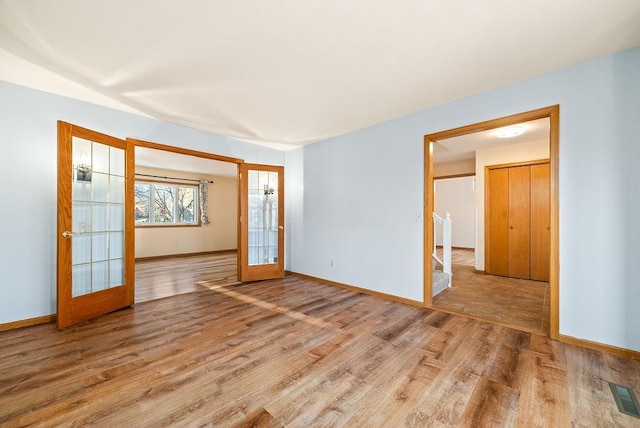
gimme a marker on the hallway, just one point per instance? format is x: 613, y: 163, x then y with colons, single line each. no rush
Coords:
x: 518, y: 303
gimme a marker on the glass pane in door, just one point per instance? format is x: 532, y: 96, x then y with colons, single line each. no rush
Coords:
x: 97, y: 215
x: 263, y: 218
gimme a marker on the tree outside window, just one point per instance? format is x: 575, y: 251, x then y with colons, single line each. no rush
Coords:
x: 186, y: 204
x: 141, y: 203
x: 165, y: 204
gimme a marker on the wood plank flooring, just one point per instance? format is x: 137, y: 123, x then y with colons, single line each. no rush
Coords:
x: 520, y: 303
x: 164, y: 277
x: 294, y: 352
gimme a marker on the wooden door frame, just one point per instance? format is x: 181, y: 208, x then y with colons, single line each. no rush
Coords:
x: 204, y: 155
x: 487, y: 224
x: 553, y: 113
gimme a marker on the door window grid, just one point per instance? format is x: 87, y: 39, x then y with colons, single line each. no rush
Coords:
x: 97, y: 217
x: 263, y: 217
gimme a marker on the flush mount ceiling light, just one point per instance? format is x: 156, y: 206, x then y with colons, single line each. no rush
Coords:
x: 510, y: 131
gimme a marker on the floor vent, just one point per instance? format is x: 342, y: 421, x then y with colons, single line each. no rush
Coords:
x: 626, y: 400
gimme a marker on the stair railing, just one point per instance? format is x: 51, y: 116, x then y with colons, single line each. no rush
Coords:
x: 445, y: 223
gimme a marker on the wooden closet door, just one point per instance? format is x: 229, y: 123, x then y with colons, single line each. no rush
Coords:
x: 520, y: 222
x: 497, y: 262
x: 540, y: 221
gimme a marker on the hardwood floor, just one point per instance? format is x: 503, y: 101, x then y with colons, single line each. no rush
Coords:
x: 164, y: 277
x: 519, y: 303
x: 295, y: 352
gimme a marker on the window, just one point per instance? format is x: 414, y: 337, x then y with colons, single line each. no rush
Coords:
x: 165, y: 204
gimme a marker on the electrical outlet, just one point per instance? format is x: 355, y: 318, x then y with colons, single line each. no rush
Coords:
x: 332, y: 263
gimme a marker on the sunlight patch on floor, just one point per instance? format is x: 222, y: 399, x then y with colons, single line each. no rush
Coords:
x: 272, y: 307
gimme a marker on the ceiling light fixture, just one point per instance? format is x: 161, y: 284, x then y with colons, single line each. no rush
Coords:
x: 510, y: 131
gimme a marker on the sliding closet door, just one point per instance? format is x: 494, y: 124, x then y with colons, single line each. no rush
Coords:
x: 517, y: 218
x: 519, y: 222
x: 497, y: 218
x: 540, y: 221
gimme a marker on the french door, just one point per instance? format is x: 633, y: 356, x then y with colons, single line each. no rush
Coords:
x: 261, y: 222
x: 95, y: 229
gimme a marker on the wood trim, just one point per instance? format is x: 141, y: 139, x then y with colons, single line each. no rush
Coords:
x: 243, y: 234
x: 242, y: 254
x: 45, y: 319
x: 175, y: 183
x: 481, y: 272
x: 358, y: 289
x: 444, y: 177
x: 281, y: 209
x: 180, y: 150
x: 129, y: 226
x: 175, y: 256
x: 453, y: 247
x: 515, y: 164
x: 554, y: 223
x: 64, y: 189
x: 428, y: 222
x: 88, y: 134
x: 597, y: 346
x: 168, y: 226
x: 514, y: 119
x: 553, y: 113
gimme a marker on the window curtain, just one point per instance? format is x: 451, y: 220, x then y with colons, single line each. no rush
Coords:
x: 204, y: 189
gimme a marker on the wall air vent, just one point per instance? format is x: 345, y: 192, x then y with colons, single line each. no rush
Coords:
x: 626, y: 400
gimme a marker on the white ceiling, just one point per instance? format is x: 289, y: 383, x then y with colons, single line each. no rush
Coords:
x: 464, y: 147
x: 161, y: 159
x: 293, y: 72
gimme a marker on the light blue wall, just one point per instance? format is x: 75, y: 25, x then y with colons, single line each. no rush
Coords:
x: 353, y: 198
x: 357, y: 195
x: 28, y: 176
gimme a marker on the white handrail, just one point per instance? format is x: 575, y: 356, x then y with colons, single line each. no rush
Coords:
x: 437, y: 220
x: 446, y: 245
x: 446, y: 242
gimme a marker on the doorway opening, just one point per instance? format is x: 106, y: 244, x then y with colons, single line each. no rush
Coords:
x: 186, y: 221
x: 447, y: 143
x: 99, y: 201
